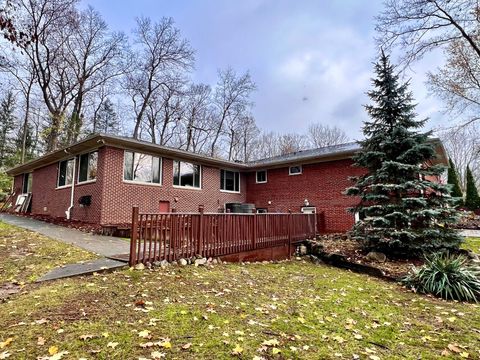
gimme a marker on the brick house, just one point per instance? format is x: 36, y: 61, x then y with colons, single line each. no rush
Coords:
x: 99, y: 179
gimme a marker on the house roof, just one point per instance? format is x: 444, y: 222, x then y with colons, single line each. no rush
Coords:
x: 328, y: 153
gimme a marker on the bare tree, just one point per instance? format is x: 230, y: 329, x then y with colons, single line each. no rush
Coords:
x: 292, y: 142
x: 320, y: 135
x: 231, y: 101
x: 161, y: 53
x: 94, y: 54
x: 420, y: 26
x: 197, y: 117
x: 463, y: 147
x: 49, y: 22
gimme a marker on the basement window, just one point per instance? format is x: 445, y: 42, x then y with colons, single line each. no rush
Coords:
x: 65, y: 172
x: 27, y: 183
x: 88, y: 167
x: 186, y: 174
x: 261, y: 177
x: 295, y: 170
x: 142, y: 168
x: 230, y: 180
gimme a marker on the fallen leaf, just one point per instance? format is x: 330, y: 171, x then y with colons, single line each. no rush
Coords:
x: 40, y: 341
x: 5, y: 343
x: 276, y: 351
x: 112, y: 345
x: 187, y: 346
x: 144, y: 334
x: 5, y: 355
x: 237, y: 350
x: 86, y: 337
x: 52, y: 350
x: 454, y: 348
x: 271, y: 342
x: 157, y: 355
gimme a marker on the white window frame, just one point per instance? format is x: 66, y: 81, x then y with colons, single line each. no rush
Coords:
x: 88, y: 169
x: 295, y: 166
x: 160, y: 165
x: 256, y: 177
x: 200, y: 182
x: 58, y: 174
x: 239, y: 182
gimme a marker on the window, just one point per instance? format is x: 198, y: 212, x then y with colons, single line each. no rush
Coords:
x: 295, y: 170
x: 261, y: 176
x: 143, y: 168
x: 27, y: 183
x: 186, y: 174
x: 65, y: 172
x: 88, y: 167
x: 229, y: 180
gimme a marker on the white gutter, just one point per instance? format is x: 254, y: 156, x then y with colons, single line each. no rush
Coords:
x: 72, y: 191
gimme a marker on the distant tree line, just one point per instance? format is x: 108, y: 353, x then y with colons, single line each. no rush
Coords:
x: 64, y: 75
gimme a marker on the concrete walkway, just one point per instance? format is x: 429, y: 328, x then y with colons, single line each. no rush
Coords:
x: 107, y: 246
x: 470, y: 233
x: 84, y: 268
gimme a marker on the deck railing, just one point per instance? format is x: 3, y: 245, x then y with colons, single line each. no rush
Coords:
x: 172, y: 236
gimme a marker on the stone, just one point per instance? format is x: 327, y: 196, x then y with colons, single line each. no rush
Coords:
x: 139, y: 266
x: 164, y: 264
x: 215, y: 261
x: 183, y: 262
x: 200, y: 262
x: 302, y: 250
x: 298, y: 258
x: 376, y: 256
x: 157, y: 264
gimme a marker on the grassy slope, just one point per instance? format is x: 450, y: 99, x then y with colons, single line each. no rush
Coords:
x: 473, y: 244
x: 311, y: 311
x: 26, y: 255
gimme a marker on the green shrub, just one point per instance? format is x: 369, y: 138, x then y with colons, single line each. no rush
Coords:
x: 450, y: 277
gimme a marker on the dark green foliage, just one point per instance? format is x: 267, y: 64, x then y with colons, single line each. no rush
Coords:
x: 402, y: 211
x: 106, y: 120
x: 472, y: 199
x: 7, y: 126
x: 450, y: 277
x: 456, y: 190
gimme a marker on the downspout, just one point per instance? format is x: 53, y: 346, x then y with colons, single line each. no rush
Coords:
x: 72, y: 191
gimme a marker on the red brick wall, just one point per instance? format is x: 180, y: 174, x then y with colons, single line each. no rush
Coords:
x: 48, y: 200
x: 322, y: 184
x: 119, y: 197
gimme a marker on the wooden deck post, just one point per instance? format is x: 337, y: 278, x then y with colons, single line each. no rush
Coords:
x: 201, y: 210
x: 254, y: 238
x: 289, y: 233
x: 133, y: 237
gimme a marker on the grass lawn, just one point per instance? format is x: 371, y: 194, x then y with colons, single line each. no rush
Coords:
x: 26, y: 255
x: 473, y: 244
x: 289, y: 310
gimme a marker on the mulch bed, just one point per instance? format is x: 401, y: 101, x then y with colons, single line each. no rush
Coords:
x: 351, y: 251
x: 469, y: 221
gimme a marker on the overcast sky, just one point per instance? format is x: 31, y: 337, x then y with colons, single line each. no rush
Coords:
x: 311, y: 59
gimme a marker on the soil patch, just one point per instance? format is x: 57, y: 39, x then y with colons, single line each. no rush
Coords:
x: 8, y: 289
x: 350, y: 251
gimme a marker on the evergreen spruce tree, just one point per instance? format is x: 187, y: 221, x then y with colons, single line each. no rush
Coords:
x: 106, y: 120
x: 402, y: 212
x: 7, y: 125
x: 472, y: 199
x: 455, y: 190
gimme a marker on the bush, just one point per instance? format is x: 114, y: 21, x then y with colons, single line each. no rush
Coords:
x: 450, y: 277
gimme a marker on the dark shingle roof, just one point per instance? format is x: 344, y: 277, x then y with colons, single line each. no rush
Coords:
x: 347, y: 148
